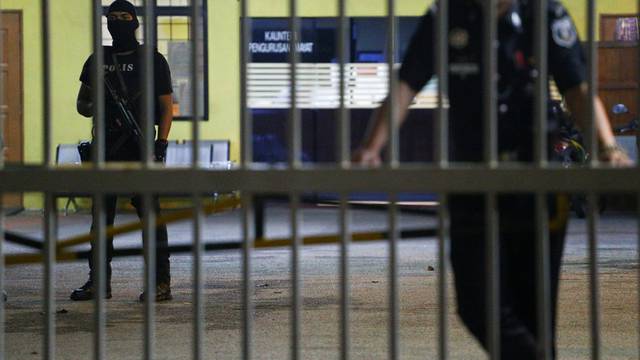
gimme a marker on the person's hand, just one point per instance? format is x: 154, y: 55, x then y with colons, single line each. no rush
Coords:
x: 367, y: 157
x: 615, y: 156
x: 160, y: 150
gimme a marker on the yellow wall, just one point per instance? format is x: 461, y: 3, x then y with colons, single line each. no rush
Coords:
x: 578, y: 10
x: 70, y: 46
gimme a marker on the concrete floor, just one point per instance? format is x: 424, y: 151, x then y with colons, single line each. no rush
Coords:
x: 320, y: 277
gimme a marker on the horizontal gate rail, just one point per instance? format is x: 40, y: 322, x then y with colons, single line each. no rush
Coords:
x: 405, y: 179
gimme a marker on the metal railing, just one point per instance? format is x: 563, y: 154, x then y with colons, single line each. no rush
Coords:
x: 441, y: 177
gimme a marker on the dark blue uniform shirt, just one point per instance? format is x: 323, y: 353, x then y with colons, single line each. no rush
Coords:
x: 516, y: 78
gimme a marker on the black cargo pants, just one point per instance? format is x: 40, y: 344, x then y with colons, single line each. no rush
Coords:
x: 130, y: 151
x: 518, y: 301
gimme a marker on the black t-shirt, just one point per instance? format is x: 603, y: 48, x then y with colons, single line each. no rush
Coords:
x: 515, y: 72
x: 129, y: 65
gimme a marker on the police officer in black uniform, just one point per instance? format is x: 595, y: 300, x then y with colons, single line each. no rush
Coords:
x: 515, y: 142
x: 123, y: 71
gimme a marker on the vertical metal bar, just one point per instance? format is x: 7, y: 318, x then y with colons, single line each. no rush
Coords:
x: 394, y: 301
x: 443, y: 256
x: 196, y: 6
x: 490, y: 68
x: 543, y: 288
x: 246, y: 153
x: 592, y: 78
x: 46, y: 82
x: 198, y: 301
x: 98, y: 161
x: 97, y: 80
x: 490, y: 71
x: 295, y: 145
x: 198, y: 250
x: 248, y: 241
x: 542, y: 85
x: 540, y: 156
x: 592, y: 147
x: 246, y: 124
x: 594, y: 289
x: 149, y: 233
x: 294, y: 203
x: 99, y: 260
x: 344, y: 126
x: 441, y: 141
x: 48, y: 349
x: 149, y: 240
x: 295, y: 132
x: 148, y: 120
x: 50, y: 230
x: 441, y: 138
x: 345, y: 241
x: 492, y: 257
x: 393, y: 145
x: 343, y: 156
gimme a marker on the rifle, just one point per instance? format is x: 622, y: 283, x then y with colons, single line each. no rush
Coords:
x: 128, y: 120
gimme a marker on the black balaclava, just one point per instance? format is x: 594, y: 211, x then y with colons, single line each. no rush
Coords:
x: 123, y: 32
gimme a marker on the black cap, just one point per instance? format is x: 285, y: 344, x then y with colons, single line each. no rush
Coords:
x: 123, y: 5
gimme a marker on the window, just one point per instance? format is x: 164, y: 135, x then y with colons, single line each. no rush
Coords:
x: 173, y: 18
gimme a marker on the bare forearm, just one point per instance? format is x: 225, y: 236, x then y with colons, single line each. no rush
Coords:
x: 166, y: 116
x: 377, y: 133
x: 165, y: 125
x: 577, y: 99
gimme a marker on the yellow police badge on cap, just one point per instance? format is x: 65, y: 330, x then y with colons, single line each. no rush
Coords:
x: 563, y: 32
x: 459, y: 38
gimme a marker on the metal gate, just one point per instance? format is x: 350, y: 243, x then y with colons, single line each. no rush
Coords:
x: 442, y: 177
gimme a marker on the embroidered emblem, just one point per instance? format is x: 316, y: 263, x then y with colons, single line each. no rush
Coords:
x: 459, y: 38
x: 563, y: 32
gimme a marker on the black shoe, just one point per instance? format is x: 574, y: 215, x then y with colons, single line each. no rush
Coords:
x: 163, y: 293
x: 86, y: 292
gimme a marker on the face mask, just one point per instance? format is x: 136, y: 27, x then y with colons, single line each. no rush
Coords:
x: 123, y: 34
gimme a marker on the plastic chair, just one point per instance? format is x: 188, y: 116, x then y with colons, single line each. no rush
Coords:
x: 68, y: 155
x: 179, y: 155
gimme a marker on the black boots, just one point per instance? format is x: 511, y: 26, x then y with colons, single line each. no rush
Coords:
x: 163, y: 293
x: 87, y: 292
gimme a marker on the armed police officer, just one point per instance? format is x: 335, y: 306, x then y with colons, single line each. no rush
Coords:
x: 516, y: 79
x: 123, y: 109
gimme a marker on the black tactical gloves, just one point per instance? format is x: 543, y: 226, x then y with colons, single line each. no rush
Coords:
x: 160, y: 150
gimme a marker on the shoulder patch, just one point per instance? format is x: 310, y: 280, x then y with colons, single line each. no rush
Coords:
x: 563, y: 32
